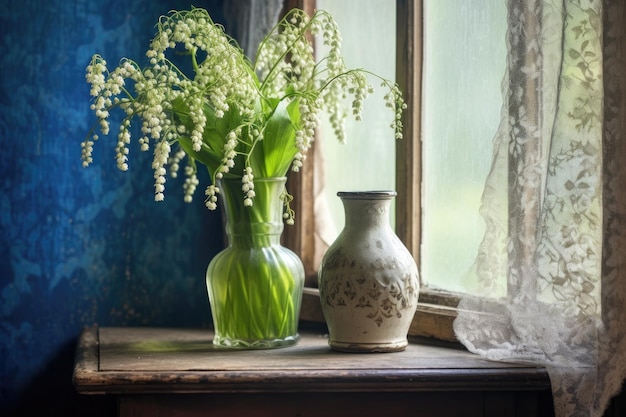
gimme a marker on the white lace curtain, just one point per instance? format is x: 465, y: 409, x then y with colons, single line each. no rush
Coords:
x: 555, y: 199
x: 555, y: 204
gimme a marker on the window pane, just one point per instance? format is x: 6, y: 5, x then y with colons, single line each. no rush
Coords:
x: 366, y: 160
x: 464, y: 63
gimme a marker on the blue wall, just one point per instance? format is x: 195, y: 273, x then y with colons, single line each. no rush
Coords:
x: 80, y: 247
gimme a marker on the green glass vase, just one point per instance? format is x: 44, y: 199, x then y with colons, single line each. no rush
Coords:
x: 255, y: 284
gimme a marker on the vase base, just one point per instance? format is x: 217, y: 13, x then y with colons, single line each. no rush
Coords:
x: 354, y: 347
x: 246, y: 344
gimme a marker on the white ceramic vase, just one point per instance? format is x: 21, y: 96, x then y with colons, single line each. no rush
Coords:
x: 368, y: 280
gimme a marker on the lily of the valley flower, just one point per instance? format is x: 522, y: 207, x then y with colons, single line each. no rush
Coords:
x: 239, y: 119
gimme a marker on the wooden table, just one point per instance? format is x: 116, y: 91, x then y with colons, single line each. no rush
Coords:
x: 176, y: 372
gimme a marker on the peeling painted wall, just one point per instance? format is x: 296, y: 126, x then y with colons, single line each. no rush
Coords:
x: 83, y: 246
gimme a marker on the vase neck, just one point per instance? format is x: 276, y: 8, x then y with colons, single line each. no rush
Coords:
x: 366, y: 208
x: 252, y: 237
x: 260, y: 224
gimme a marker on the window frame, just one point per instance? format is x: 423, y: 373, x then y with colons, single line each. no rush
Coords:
x: 300, y: 236
x: 436, y: 309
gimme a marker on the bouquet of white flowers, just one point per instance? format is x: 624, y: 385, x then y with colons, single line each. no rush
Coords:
x: 238, y: 118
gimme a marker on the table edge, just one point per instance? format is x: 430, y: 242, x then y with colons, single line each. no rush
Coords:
x: 88, y: 379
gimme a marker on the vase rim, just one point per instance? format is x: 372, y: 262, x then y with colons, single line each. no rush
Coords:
x: 375, y: 194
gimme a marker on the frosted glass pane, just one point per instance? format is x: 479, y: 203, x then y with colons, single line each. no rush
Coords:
x: 464, y: 63
x: 367, y: 160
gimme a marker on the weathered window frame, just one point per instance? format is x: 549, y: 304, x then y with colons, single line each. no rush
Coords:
x: 436, y: 310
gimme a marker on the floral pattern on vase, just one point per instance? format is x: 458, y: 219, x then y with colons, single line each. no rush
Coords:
x: 382, y: 296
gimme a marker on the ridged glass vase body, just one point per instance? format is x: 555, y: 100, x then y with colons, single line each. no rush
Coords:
x: 255, y: 284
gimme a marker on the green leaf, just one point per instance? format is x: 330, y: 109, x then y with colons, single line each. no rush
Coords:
x: 205, y: 156
x: 279, y: 137
x: 214, y: 134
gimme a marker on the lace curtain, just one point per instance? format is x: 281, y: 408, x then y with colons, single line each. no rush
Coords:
x: 555, y: 204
